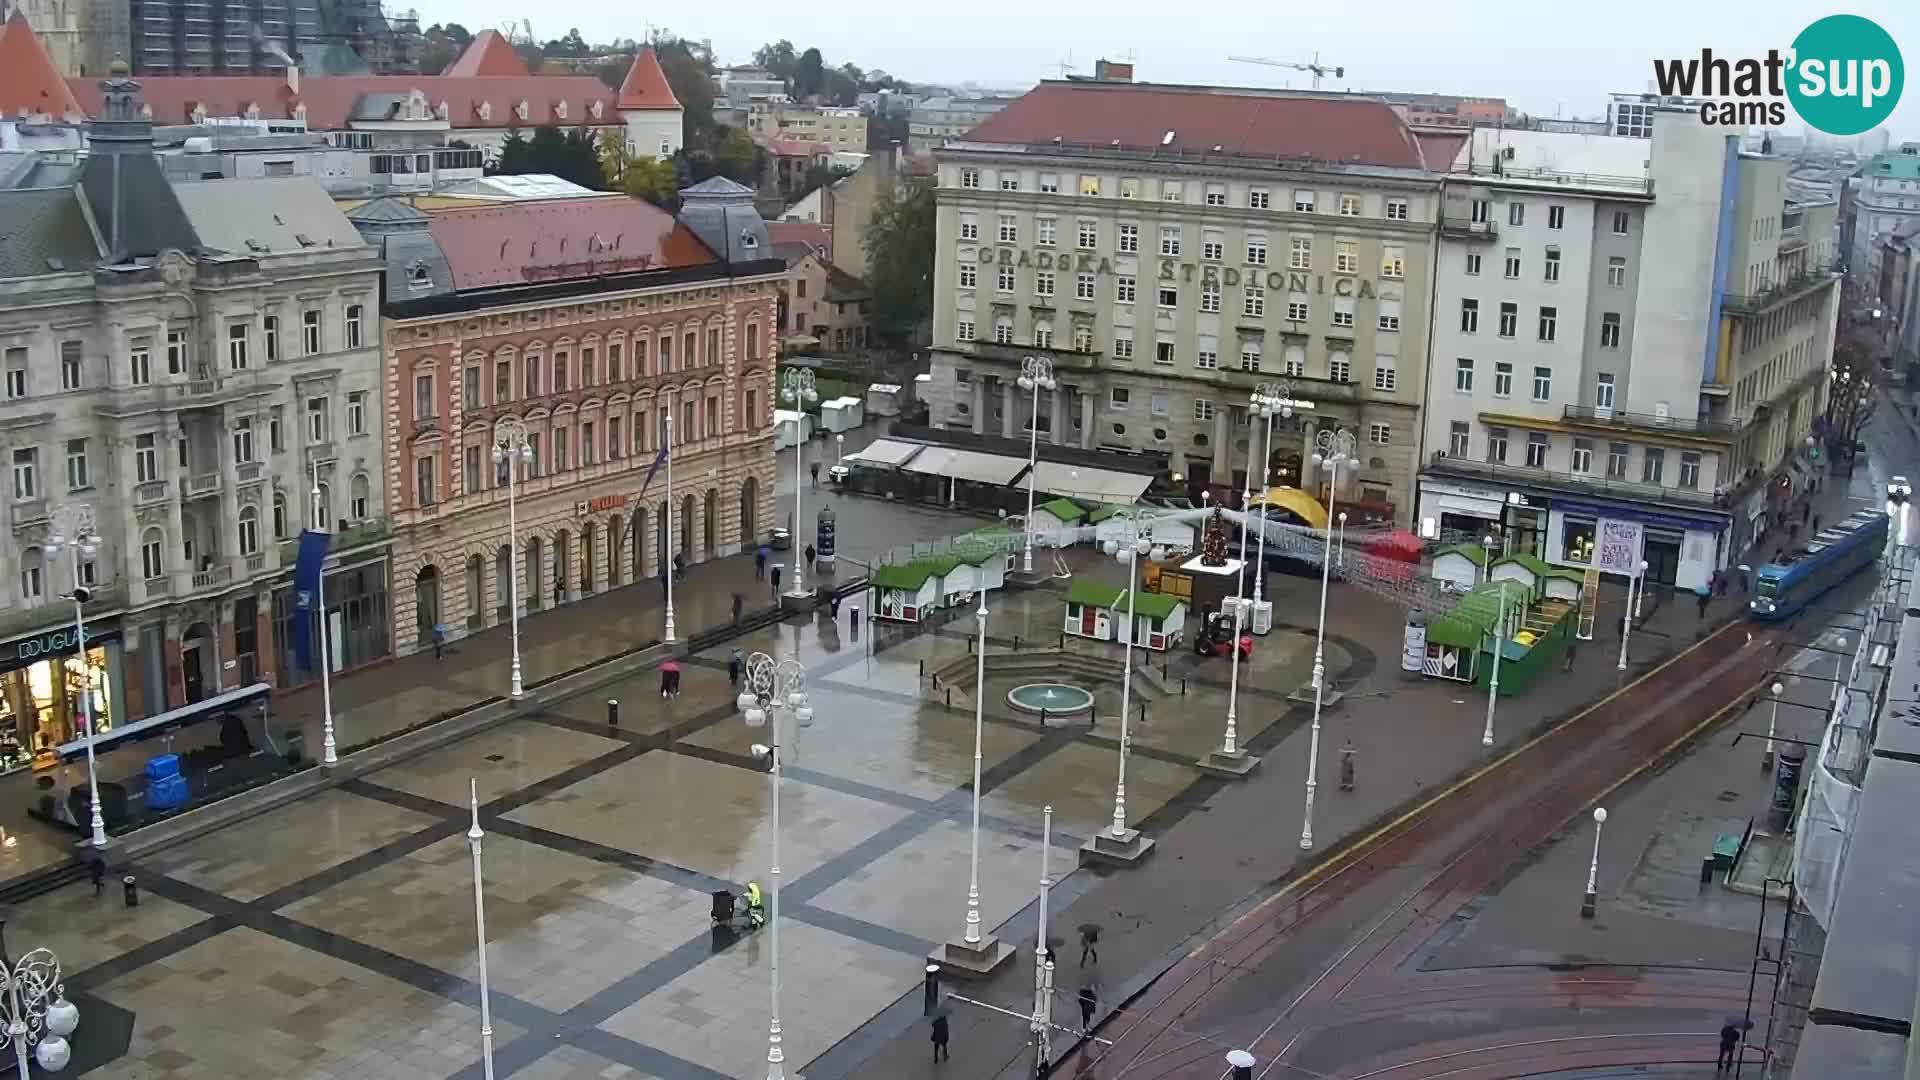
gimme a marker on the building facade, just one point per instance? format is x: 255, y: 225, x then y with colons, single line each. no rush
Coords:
x: 167, y: 370
x: 935, y: 120
x: 1884, y: 199
x: 1149, y: 242
x: 833, y: 129
x: 1630, y: 344
x: 590, y: 323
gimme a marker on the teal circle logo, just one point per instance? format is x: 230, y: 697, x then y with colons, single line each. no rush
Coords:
x: 1846, y: 75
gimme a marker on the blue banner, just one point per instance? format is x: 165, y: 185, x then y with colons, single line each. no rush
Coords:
x: 658, y: 459
x: 306, y: 593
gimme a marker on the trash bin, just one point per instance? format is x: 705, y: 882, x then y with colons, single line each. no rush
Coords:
x: 1706, y: 870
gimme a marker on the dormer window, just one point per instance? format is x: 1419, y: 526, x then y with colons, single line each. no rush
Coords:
x: 748, y: 241
x: 441, y: 110
x: 300, y: 113
x: 598, y: 109
x: 418, y: 276
x: 521, y: 109
x: 146, y: 112
x: 199, y: 114
x: 417, y: 106
x: 560, y: 110
x: 486, y: 110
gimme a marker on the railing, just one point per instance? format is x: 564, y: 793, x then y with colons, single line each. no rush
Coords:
x: 256, y: 563
x: 220, y: 574
x: 29, y: 512
x: 1063, y: 359
x: 1792, y: 237
x: 370, y: 531
x: 1459, y: 228
x: 1589, y: 483
x: 1499, y: 169
x: 580, y: 395
x: 249, y: 472
x: 159, y: 587
x: 1634, y: 421
x: 1779, y: 293
x: 203, y: 484
x: 321, y: 452
x: 149, y: 493
x: 30, y: 620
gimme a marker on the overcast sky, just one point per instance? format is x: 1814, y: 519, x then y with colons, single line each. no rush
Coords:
x: 1539, y: 55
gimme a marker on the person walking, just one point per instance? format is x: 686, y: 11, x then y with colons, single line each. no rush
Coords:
x: 1573, y: 643
x: 776, y: 580
x: 1089, y: 943
x: 814, y: 468
x: 670, y: 678
x: 760, y: 563
x: 940, y: 1035
x: 1089, y: 1001
x: 1729, y: 1046
x: 739, y: 602
x: 1816, y: 524
x: 736, y: 667
x: 1705, y: 594
x: 810, y: 553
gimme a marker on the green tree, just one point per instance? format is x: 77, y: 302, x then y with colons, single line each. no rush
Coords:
x: 642, y: 177
x: 570, y: 155
x: 809, y: 75
x: 689, y: 70
x: 441, y: 45
x: 737, y: 157
x: 571, y: 45
x: 777, y: 57
x: 900, y: 244
x: 515, y: 155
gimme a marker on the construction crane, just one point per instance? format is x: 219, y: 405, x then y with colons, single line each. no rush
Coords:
x: 1318, y: 69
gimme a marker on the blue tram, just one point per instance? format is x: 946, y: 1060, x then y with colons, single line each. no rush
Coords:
x: 1782, y: 590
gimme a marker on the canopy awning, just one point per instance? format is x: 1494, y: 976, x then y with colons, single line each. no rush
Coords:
x: 1101, y: 485
x: 966, y: 465
x: 887, y: 453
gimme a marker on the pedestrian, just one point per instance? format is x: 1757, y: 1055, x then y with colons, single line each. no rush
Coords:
x: 814, y: 468
x: 1705, y: 595
x: 679, y: 566
x: 760, y: 563
x: 738, y: 603
x: 1729, y: 1046
x: 439, y: 641
x: 1089, y: 1001
x: 666, y: 681
x: 1089, y: 943
x: 97, y: 870
x: 776, y: 579
x: 1346, y: 765
x: 1806, y: 511
x: 810, y: 553
x: 833, y: 607
x: 736, y: 667
x: 1816, y: 524
x: 940, y: 1039
x: 1572, y: 644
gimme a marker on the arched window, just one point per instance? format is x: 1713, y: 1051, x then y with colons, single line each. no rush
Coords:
x: 33, y: 576
x: 279, y: 516
x: 249, y: 531
x: 360, y: 500
x: 753, y: 341
x: 153, y: 554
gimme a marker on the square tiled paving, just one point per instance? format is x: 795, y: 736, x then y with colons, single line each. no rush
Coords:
x: 573, y: 1063
x: 921, y: 888
x: 503, y: 760
x: 83, y: 931
x: 1078, y: 779
x: 560, y: 927
x: 642, y: 710
x: 243, y: 1005
x: 248, y: 860
x: 707, y: 817
x: 716, y: 1013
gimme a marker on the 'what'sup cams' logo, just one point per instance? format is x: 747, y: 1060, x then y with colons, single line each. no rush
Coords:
x: 1843, y: 76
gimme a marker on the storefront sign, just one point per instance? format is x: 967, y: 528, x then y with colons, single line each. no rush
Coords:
x: 1619, y: 546
x: 1167, y: 270
x: 605, y: 502
x: 52, y: 643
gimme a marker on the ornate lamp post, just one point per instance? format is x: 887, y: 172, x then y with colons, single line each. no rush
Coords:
x: 1036, y: 374
x: 329, y: 748
x: 1269, y: 399
x: 1590, y: 901
x: 1042, y: 1023
x: 771, y: 688
x: 1118, y: 843
x: 1773, y: 720
x: 1499, y: 646
x: 512, y: 449
x: 474, y: 837
x: 72, y: 529
x: 1334, y: 449
x: 798, y: 390
x: 39, y: 1016
x: 1230, y: 760
x: 975, y: 953
x: 1632, y: 610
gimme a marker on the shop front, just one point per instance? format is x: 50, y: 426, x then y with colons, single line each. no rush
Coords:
x: 1460, y: 514
x: 44, y: 688
x: 357, y: 624
x: 1681, y: 551
x: 1524, y: 523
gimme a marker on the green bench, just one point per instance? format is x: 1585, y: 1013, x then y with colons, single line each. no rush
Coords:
x: 1726, y: 848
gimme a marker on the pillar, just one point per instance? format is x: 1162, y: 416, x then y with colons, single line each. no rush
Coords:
x: 229, y: 649
x: 979, y: 405
x: 266, y: 649
x: 1086, y: 421
x: 1058, y: 405
x: 1222, y: 445
x: 1008, y: 425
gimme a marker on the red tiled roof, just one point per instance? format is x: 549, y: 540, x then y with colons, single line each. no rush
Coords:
x: 1440, y: 147
x: 330, y: 100
x: 488, y: 53
x: 29, y: 83
x: 1269, y: 124
x: 518, y: 243
x: 645, y: 86
x: 812, y: 234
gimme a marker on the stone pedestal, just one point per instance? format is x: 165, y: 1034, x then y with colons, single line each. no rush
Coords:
x: 1125, y: 850
x: 1329, y: 698
x: 1587, y: 906
x: 1235, y: 766
x: 977, y: 962
x: 1261, y: 622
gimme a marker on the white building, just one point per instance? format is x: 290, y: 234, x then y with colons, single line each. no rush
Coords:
x: 935, y: 120
x: 1885, y: 198
x: 1626, y: 330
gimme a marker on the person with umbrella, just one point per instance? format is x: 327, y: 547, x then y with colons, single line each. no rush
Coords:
x: 1089, y: 942
x: 939, y: 1036
x: 670, y: 678
x: 1730, y: 1033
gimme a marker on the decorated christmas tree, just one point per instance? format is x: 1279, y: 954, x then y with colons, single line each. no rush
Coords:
x: 1213, y: 542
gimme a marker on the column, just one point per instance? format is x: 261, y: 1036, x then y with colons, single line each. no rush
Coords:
x: 230, y: 502
x: 229, y: 648
x: 979, y: 405
x: 1222, y: 445
x: 1086, y: 421
x: 1009, y: 426
x: 1058, y: 405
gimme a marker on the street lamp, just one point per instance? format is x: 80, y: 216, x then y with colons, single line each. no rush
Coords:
x: 1042, y: 1023
x: 1268, y: 399
x: 72, y: 528
x: 329, y: 748
x: 1839, y: 670
x: 1118, y: 835
x: 1486, y: 543
x: 38, y: 1015
x: 1773, y: 720
x: 1499, y: 646
x: 1230, y: 760
x: 839, y: 447
x: 1632, y: 610
x: 512, y: 449
x: 1336, y: 448
x: 474, y: 836
x: 1588, y: 904
x: 1036, y: 374
x: 798, y: 391
x: 771, y: 688
x: 982, y: 954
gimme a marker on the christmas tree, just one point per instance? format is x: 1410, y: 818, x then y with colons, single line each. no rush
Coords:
x: 1213, y: 542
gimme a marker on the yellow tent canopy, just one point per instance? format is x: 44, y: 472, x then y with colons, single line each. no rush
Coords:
x: 1296, y: 502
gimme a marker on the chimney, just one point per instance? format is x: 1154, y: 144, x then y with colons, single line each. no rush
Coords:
x: 1110, y: 71
x: 293, y: 79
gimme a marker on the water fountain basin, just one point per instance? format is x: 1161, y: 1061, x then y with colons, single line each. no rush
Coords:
x: 1054, y: 700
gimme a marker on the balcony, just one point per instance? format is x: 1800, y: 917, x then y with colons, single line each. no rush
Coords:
x: 371, y: 531
x: 1590, y: 484
x: 200, y: 485
x: 220, y: 573
x: 1790, y: 289
x: 29, y: 512
x: 1616, y: 420
x: 1499, y: 170
x: 150, y: 493
x: 29, y: 620
x: 1063, y: 359
x: 1793, y: 238
x: 1454, y: 227
x: 249, y: 472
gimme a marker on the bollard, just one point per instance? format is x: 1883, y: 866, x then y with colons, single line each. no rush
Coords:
x: 923, y: 669
x: 1063, y: 641
x: 132, y: 890
x: 1241, y: 1063
x: 949, y: 697
x: 1016, y: 643
x: 1043, y: 716
x: 931, y: 1001
x: 613, y: 712
x: 1346, y: 767
x: 1143, y: 712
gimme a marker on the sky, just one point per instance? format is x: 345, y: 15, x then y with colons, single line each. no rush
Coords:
x: 1540, y: 56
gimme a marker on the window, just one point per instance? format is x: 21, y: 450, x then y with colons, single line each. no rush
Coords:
x: 1295, y: 361
x: 1210, y: 295
x: 1469, y: 316
x: 1556, y: 216
x: 1254, y: 304
x: 1043, y: 335
x: 356, y: 414
x: 1509, y: 319
x: 1250, y: 356
x: 354, y: 315
x: 1459, y: 439
x: 969, y: 178
x: 270, y: 336
x: 1621, y: 221
x: 1050, y: 183
x: 1003, y: 331
x: 1004, y: 281
x: 140, y: 364
x: 317, y: 426
x: 1159, y: 403
x: 237, y: 346
x: 1009, y: 181
x: 1389, y: 315
x: 1346, y: 257
x: 249, y: 531
x: 1549, y: 322
x: 1123, y: 289
x: 279, y: 516
x: 1473, y: 262
x: 1169, y: 239
x: 1384, y: 376
x: 1089, y: 185
x: 1652, y: 464
x: 1122, y: 347
x: 146, y: 459
x: 1553, y: 264
x: 1542, y: 383
x: 470, y: 469
x: 963, y: 330
x: 589, y: 374
x: 1380, y: 434
x: 1302, y: 201
x: 423, y: 396
x: 1083, y: 286
x: 1083, y: 338
x: 1536, y: 450
x: 1603, y: 393
x: 1339, y: 368
x: 1496, y: 446
x: 1119, y: 398
x: 243, y: 440
x: 70, y: 373
x: 1207, y: 356
x: 1163, y: 352
x: 1046, y: 230
x: 1089, y: 234
x: 615, y: 448
x: 1298, y: 310
x: 1301, y: 256
x: 1257, y: 250
x: 1259, y: 198
x: 1617, y: 461
x: 79, y: 476
x: 1129, y: 187
x: 590, y: 444
x: 1502, y: 379
x: 1610, y: 330
x: 1481, y: 211
x: 1213, y: 246
x: 1396, y: 209
x: 470, y: 387
x: 153, y: 556
x: 1202, y: 409
x: 423, y: 489
x: 1583, y: 455
x: 969, y: 275
x: 1216, y: 195
x: 1689, y: 469
x: 1617, y: 271
x: 1393, y: 261
x: 26, y: 473
x: 310, y: 332
x: 1349, y: 206
x: 176, y: 352
x: 1513, y: 262
x: 1129, y: 239
x: 616, y: 370
x: 1169, y: 296
x: 1517, y: 213
x: 1042, y: 283
x: 1343, y: 311
x: 358, y: 500
x: 969, y: 230
x: 16, y: 373
x: 1463, y: 375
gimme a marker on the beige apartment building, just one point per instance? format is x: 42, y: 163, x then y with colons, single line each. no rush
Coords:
x: 1168, y: 249
x: 838, y: 130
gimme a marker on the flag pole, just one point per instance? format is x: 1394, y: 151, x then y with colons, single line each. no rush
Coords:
x: 330, y: 754
x: 666, y: 557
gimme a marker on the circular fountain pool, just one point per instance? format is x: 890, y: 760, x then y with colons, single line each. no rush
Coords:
x: 1051, y: 700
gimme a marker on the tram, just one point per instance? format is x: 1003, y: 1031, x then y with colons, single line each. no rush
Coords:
x: 1783, y: 589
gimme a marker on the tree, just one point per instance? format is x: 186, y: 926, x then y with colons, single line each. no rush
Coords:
x: 809, y: 75
x: 515, y: 155
x: 642, y: 177
x: 441, y: 45
x: 737, y: 157
x: 843, y: 85
x: 777, y: 57
x: 571, y: 45
x: 570, y: 155
x: 900, y: 244
x: 613, y: 70
x: 689, y: 70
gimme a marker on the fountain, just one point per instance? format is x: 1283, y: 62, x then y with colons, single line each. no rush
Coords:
x: 1052, y: 700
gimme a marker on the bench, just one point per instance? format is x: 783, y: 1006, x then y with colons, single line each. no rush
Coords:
x: 1726, y: 849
